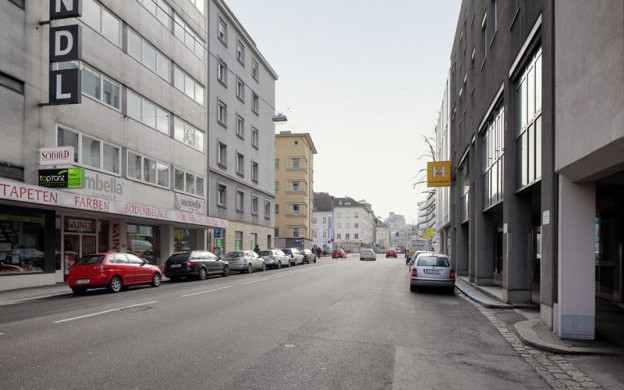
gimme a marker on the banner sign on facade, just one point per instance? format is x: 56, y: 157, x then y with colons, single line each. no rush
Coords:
x: 189, y: 203
x: 61, y: 178
x: 63, y: 155
x: 439, y: 174
x: 63, y: 9
x: 65, y: 43
x: 65, y: 86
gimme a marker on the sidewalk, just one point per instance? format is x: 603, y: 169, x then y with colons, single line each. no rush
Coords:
x: 21, y: 295
x: 533, y: 332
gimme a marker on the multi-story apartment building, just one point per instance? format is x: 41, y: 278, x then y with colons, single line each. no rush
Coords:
x: 426, y: 213
x: 323, y: 221
x: 443, y: 194
x: 382, y: 234
x: 354, y: 224
x: 398, y: 230
x: 139, y: 135
x: 539, y: 195
x: 241, y: 135
x: 294, y: 189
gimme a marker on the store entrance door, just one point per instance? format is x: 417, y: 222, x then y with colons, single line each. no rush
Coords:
x: 75, y: 246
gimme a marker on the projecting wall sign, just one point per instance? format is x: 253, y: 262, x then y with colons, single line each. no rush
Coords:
x: 65, y: 45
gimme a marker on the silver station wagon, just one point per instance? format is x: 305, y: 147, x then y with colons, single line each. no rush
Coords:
x: 432, y: 270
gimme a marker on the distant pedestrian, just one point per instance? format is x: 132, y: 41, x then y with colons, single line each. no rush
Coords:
x: 257, y: 250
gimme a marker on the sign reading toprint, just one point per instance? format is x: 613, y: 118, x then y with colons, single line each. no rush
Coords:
x: 65, y: 45
x: 439, y: 174
x: 63, y: 155
x: 61, y: 178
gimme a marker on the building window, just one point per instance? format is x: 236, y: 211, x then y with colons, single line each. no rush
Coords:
x: 296, y: 209
x: 254, y: 137
x: 200, y: 5
x: 240, y: 52
x: 494, y: 17
x: 465, y: 192
x: 295, y: 186
x: 276, y: 186
x: 222, y: 113
x: 221, y: 195
x: 188, y: 134
x: 492, y: 144
x: 295, y: 232
x: 240, y: 164
x: 339, y: 236
x: 222, y: 72
x: 91, y: 152
x: 147, y: 112
x: 186, y: 34
x: 356, y: 225
x: 238, y: 241
x: 324, y: 233
x: 255, y: 69
x: 146, y: 54
x: 324, y: 220
x: 254, y: 171
x: 276, y: 163
x: 240, y: 90
x: 295, y: 163
x: 254, y: 205
x: 11, y: 83
x: 255, y: 103
x: 240, y: 201
x: 267, y: 209
x: 240, y: 126
x: 147, y: 170
x: 356, y: 236
x: 189, y: 183
x: 347, y: 236
x: 160, y: 10
x: 187, y: 85
x: 102, y: 21
x: 222, y: 31
x: 276, y: 209
x: 96, y: 85
x: 222, y: 154
x: 528, y: 122
x: 484, y: 37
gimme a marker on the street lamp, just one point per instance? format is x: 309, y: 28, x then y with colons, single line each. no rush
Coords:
x: 279, y: 117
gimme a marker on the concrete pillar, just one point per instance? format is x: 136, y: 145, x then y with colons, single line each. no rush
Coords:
x: 516, y: 257
x: 166, y: 242
x: 483, y: 232
x: 575, y: 312
x: 472, y: 253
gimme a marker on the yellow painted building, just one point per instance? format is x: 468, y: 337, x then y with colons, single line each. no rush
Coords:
x: 294, y: 189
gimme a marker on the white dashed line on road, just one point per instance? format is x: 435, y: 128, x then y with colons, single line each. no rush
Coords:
x: 205, y: 291
x: 257, y: 280
x: 103, y: 312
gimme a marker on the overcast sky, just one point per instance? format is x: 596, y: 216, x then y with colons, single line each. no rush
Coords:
x: 365, y: 78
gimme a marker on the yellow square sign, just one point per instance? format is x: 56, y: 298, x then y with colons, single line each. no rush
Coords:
x: 439, y: 174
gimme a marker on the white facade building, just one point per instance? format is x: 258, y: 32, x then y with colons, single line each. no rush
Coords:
x: 354, y: 224
x: 442, y: 194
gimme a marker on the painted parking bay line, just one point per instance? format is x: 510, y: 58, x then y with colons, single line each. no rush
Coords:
x: 103, y: 312
x: 205, y: 291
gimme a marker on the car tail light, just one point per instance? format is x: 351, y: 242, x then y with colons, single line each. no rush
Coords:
x: 452, y: 274
x: 414, y: 272
x: 189, y: 264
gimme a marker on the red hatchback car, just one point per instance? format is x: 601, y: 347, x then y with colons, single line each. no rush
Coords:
x: 112, y: 270
x: 391, y: 253
x: 339, y: 254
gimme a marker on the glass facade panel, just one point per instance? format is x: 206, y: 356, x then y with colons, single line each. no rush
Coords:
x: 111, y: 158
x: 133, y: 105
x: 162, y: 120
x: 68, y: 138
x: 149, y: 170
x: 91, y: 152
x: 163, y: 174
x: 179, y: 180
x: 21, y: 242
x: 134, y: 166
x: 91, y: 83
x: 149, y: 56
x: 111, y: 27
x: 135, y: 48
x: 149, y: 113
x: 112, y: 93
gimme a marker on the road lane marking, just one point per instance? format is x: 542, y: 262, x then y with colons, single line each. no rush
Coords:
x: 205, y: 291
x: 103, y: 312
x: 257, y: 280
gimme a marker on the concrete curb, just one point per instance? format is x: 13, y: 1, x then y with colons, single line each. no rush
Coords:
x: 526, y: 332
x: 490, y: 304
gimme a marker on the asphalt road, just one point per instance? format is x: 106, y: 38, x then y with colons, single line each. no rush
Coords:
x: 337, y: 324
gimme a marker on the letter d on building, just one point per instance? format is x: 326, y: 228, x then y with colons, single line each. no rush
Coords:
x: 65, y: 43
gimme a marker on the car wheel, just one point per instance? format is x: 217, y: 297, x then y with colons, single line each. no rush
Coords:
x: 78, y: 290
x: 413, y: 288
x: 202, y: 274
x: 264, y: 267
x: 249, y: 268
x: 115, y: 284
x: 226, y: 271
x: 451, y: 290
x: 279, y: 265
x: 174, y: 279
x: 156, y: 279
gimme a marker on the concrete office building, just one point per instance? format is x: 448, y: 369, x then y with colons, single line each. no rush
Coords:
x: 139, y: 134
x: 354, y: 224
x: 323, y: 221
x: 538, y: 170
x: 294, y: 189
x: 382, y: 234
x: 443, y: 194
x: 241, y: 137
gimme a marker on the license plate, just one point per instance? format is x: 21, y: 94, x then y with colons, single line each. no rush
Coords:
x: 176, y: 265
x: 433, y: 271
x: 83, y: 281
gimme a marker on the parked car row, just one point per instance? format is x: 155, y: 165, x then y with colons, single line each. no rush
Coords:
x: 117, y: 271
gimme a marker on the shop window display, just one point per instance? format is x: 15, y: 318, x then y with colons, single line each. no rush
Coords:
x: 21, y: 243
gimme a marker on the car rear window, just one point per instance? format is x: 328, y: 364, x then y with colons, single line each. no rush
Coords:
x: 178, y: 258
x: 430, y: 261
x: 287, y: 251
x: 232, y: 255
x: 93, y: 259
x: 266, y: 253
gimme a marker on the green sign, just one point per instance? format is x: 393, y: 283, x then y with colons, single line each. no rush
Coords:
x: 62, y: 178
x: 219, y: 243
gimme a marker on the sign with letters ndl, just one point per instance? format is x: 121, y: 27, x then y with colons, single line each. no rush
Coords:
x: 63, y: 155
x: 65, y: 45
